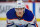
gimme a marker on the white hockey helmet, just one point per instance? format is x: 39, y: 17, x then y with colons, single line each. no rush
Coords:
x: 20, y: 4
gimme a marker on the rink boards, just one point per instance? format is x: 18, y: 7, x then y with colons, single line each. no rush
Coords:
x: 38, y: 20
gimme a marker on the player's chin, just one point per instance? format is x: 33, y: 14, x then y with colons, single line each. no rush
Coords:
x: 19, y: 15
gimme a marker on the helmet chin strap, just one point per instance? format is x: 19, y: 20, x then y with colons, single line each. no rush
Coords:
x: 24, y: 11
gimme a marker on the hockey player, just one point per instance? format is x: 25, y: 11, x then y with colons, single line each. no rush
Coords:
x: 20, y: 17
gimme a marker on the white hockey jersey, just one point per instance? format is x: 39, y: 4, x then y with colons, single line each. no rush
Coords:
x: 27, y: 20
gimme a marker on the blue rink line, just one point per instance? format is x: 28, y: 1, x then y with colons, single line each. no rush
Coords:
x: 34, y: 8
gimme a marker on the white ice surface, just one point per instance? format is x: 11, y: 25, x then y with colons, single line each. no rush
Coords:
x: 3, y: 24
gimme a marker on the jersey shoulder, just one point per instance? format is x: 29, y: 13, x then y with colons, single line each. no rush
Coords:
x: 28, y: 12
x: 29, y: 15
x: 10, y: 14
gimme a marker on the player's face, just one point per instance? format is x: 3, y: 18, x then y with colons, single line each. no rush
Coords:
x: 19, y: 11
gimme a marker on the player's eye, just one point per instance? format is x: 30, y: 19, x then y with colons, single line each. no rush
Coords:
x: 17, y: 9
x: 20, y: 9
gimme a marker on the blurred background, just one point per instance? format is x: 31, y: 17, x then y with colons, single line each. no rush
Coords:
x: 23, y: 0
x: 6, y: 5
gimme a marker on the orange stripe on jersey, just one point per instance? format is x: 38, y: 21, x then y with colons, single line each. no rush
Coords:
x: 12, y: 19
x: 8, y: 23
x: 22, y: 19
x: 20, y: 24
x: 36, y: 25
